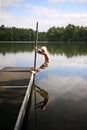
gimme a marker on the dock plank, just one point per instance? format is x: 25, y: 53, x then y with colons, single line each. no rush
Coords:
x: 10, y: 103
x: 15, y: 76
x: 11, y: 97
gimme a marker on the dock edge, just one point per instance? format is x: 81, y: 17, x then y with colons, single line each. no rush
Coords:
x: 24, y: 105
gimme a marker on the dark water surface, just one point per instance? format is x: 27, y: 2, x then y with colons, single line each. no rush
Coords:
x: 65, y: 80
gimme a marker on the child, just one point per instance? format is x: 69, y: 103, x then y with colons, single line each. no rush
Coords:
x: 43, y: 52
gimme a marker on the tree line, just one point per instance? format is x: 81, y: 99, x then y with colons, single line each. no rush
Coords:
x: 70, y: 33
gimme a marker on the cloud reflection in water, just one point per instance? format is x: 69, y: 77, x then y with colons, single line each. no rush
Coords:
x: 67, y: 87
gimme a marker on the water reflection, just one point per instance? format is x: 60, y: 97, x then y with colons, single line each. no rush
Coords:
x: 62, y: 60
x: 65, y: 81
x: 42, y: 104
x: 15, y: 48
x: 68, y: 104
x: 69, y: 49
x: 16, y: 59
x: 67, y: 87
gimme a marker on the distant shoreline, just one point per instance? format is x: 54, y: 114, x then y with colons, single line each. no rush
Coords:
x: 23, y: 41
x: 40, y: 42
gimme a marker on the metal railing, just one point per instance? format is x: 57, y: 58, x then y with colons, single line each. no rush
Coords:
x: 22, y: 111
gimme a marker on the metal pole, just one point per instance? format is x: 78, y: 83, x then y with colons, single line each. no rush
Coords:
x: 36, y: 44
x: 34, y: 74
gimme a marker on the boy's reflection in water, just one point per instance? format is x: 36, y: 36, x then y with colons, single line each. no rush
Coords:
x: 43, y: 104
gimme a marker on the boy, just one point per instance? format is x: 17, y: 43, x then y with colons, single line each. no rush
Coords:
x: 43, y: 52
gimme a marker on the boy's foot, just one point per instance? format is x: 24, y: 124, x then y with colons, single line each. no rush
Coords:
x: 34, y: 72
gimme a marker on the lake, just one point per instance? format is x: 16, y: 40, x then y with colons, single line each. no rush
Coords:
x: 65, y: 80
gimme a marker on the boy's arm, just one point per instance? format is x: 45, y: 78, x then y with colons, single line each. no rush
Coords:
x: 38, y: 51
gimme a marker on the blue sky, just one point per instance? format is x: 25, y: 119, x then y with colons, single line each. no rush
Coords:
x: 48, y: 13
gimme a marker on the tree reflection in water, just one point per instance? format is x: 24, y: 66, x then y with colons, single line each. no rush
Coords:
x: 43, y: 104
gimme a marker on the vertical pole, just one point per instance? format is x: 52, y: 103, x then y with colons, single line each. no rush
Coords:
x: 36, y: 40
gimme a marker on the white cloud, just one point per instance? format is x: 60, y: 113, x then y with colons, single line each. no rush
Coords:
x: 56, y: 14
x: 10, y: 19
x: 5, y: 3
x: 42, y: 11
x: 51, y: 17
x: 45, y: 16
x: 74, y: 1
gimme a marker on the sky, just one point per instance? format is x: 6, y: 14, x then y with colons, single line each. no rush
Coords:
x: 48, y: 13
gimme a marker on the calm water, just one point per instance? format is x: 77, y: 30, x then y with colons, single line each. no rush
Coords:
x: 65, y: 80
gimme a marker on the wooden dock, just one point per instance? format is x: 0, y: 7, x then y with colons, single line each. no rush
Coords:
x: 15, y: 88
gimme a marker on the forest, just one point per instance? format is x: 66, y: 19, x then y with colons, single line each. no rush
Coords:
x: 70, y: 33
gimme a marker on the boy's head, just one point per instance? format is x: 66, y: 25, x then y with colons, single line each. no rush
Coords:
x: 44, y: 49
